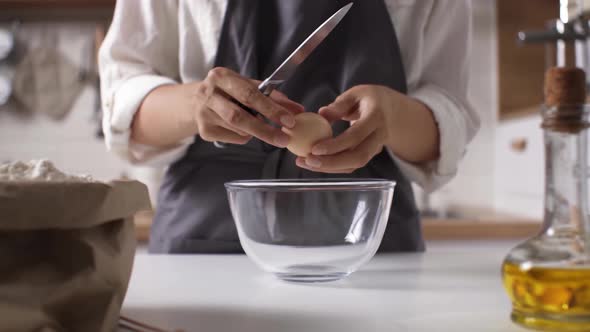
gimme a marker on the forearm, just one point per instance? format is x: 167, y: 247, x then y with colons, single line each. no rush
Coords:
x: 165, y: 116
x: 414, y: 134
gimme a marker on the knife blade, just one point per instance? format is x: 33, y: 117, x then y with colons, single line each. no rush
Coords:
x: 289, y: 66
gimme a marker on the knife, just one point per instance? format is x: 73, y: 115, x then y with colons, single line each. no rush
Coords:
x: 288, y: 67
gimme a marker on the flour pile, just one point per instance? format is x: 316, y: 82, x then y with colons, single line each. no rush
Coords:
x: 37, y: 170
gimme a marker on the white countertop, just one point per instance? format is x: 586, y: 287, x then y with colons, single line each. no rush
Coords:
x: 452, y: 287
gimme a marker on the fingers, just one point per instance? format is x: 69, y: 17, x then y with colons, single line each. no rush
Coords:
x: 231, y: 116
x: 238, y: 118
x: 255, y: 127
x: 287, y: 103
x: 349, y: 139
x: 244, y: 91
x: 301, y: 163
x: 283, y: 100
x: 220, y: 134
x: 341, y: 108
x: 357, y: 145
x: 344, y: 161
x: 219, y: 104
x: 213, y: 129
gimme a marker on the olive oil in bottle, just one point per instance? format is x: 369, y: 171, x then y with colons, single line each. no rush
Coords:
x: 548, y: 289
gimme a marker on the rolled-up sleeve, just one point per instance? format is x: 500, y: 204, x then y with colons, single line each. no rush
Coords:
x: 139, y: 54
x: 442, y: 85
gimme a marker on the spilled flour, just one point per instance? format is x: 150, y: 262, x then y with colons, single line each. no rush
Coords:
x: 38, y: 170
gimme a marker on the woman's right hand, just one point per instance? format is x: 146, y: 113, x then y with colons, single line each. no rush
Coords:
x: 218, y: 118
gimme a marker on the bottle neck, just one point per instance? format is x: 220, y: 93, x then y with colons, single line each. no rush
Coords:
x: 566, y: 187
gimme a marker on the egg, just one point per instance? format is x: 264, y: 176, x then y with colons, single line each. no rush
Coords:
x: 309, y: 129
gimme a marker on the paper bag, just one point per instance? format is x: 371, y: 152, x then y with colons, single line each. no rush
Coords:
x: 66, y: 253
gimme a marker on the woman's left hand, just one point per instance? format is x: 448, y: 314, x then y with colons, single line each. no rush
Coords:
x: 370, y: 110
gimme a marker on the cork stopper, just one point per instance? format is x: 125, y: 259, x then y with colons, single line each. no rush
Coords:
x: 565, y: 96
x: 565, y: 86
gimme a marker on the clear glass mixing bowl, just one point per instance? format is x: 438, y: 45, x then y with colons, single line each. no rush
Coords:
x: 310, y: 230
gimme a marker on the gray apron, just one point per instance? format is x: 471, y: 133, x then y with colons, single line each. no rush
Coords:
x: 193, y: 214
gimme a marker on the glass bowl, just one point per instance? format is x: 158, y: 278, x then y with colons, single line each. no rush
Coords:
x: 310, y: 230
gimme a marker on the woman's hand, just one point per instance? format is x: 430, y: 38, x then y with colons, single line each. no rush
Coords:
x: 219, y: 118
x: 171, y: 113
x: 367, y: 109
x: 378, y: 116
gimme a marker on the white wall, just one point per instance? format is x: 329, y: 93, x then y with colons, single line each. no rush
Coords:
x: 474, y: 184
x: 520, y: 175
x: 493, y: 174
x: 70, y: 144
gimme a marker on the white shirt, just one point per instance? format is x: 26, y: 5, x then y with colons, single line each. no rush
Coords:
x: 156, y: 42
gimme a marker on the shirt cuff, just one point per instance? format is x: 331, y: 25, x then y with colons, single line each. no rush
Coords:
x: 120, y: 108
x: 452, y: 139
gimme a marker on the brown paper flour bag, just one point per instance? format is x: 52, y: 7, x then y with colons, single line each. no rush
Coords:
x: 66, y: 253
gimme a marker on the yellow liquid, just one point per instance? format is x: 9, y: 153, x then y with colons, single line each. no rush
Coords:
x: 552, y: 299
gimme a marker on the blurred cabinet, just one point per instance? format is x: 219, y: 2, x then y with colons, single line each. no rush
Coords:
x: 520, y: 166
x: 521, y: 67
x: 520, y: 153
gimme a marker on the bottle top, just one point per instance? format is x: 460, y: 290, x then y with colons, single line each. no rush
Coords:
x: 565, y: 96
x: 565, y: 86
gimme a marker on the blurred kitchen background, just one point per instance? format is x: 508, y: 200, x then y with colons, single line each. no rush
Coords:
x: 49, y: 108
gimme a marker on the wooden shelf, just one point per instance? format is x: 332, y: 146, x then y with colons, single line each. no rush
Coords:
x: 492, y: 229
x: 56, y: 10
x: 56, y: 4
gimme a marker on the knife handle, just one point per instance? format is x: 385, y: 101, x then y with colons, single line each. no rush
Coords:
x: 245, y: 108
x: 266, y: 87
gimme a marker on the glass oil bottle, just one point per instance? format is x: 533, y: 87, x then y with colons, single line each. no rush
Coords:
x: 548, y: 276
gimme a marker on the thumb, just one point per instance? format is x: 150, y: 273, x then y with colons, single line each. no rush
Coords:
x: 341, y: 108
